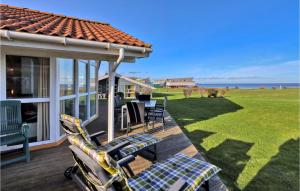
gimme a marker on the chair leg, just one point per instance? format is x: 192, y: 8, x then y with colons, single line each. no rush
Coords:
x: 127, y: 167
x: 127, y: 129
x: 155, y: 153
x: 26, y: 149
x: 163, y: 119
x: 206, y: 185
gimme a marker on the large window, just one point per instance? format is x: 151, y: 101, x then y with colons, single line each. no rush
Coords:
x: 27, y: 80
x: 77, y: 101
x: 27, y: 77
x: 83, y: 108
x: 66, y: 76
x: 129, y: 91
x: 93, y: 104
x: 92, y: 76
x: 82, y: 72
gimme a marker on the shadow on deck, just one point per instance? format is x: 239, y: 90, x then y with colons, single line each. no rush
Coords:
x: 46, y: 168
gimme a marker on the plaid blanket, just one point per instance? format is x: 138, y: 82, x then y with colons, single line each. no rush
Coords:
x: 137, y: 142
x: 161, y: 176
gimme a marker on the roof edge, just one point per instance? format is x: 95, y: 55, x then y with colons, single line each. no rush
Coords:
x: 10, y: 35
x: 54, y: 14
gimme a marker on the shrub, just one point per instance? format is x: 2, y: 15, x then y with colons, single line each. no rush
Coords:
x: 187, y: 92
x: 212, y: 92
x: 222, y: 92
x: 202, y: 91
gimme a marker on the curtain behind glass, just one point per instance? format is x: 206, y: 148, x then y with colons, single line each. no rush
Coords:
x: 43, y: 128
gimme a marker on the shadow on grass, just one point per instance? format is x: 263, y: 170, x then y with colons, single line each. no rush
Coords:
x: 281, y: 172
x: 231, y: 156
x: 192, y: 110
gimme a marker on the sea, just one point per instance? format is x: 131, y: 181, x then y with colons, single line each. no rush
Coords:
x: 251, y: 86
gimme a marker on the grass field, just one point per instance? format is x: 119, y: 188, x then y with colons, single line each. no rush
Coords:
x: 253, y: 135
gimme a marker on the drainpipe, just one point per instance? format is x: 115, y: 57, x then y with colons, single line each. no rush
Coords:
x: 111, y: 94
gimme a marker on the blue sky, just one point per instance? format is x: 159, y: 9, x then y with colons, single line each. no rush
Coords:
x: 216, y: 41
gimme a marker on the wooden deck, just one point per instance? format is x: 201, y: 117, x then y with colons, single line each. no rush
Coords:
x: 46, y: 168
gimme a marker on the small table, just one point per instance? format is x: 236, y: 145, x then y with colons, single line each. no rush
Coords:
x: 148, y: 104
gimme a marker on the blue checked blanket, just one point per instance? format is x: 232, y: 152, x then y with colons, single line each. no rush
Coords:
x: 137, y: 142
x: 162, y: 175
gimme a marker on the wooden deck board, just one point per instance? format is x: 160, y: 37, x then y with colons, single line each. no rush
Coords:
x: 46, y: 168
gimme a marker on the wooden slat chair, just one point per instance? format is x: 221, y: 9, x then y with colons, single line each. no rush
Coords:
x: 97, y: 170
x: 12, y: 130
x: 142, y: 144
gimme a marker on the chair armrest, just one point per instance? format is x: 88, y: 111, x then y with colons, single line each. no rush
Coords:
x: 116, y: 149
x: 159, y: 106
x: 126, y: 160
x: 97, y: 134
x: 24, y: 129
x: 178, y: 185
x: 94, y: 137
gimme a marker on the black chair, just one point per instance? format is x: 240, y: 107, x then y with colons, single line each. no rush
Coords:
x: 158, y: 112
x: 118, y: 107
x: 136, y: 115
x: 144, y: 97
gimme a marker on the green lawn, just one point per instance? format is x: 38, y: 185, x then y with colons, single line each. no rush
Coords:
x: 253, y: 135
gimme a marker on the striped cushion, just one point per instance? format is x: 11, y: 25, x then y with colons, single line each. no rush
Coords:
x: 137, y: 142
x: 102, y: 158
x: 76, y: 122
x: 99, y: 156
x: 161, y: 176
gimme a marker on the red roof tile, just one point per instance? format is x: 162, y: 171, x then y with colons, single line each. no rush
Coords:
x: 37, y: 22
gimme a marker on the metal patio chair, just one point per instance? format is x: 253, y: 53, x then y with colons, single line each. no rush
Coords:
x: 97, y: 170
x: 12, y: 130
x: 158, y: 112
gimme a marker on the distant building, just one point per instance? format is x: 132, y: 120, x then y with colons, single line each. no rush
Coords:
x: 159, y: 83
x: 143, y: 80
x: 180, y: 83
x: 123, y: 84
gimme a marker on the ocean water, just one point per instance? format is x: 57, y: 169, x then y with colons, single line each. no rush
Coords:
x: 252, y: 86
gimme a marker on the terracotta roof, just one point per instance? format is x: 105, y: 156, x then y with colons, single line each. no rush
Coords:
x: 37, y: 22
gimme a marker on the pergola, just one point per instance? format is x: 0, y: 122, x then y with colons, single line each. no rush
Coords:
x: 34, y: 33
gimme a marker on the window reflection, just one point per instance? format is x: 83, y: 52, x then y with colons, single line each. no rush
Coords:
x: 27, y: 77
x: 66, y: 76
x: 82, y: 72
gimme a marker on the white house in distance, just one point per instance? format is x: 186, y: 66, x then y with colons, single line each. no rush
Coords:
x: 180, y: 83
x: 50, y: 63
x: 126, y: 85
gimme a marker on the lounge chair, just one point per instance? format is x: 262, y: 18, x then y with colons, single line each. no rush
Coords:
x: 96, y: 170
x: 12, y: 130
x: 138, y: 144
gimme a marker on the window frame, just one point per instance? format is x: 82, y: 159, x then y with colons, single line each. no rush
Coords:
x: 30, y: 100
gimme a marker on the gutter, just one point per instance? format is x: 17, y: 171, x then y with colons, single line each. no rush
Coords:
x: 10, y: 35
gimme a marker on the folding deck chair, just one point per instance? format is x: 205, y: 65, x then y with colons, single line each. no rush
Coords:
x: 96, y: 170
x: 138, y: 144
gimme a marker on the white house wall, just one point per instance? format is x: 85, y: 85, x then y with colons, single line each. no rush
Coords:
x: 54, y: 96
